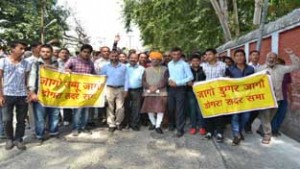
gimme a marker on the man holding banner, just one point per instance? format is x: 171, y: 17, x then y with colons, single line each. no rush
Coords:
x: 214, y: 69
x: 82, y: 64
x: 40, y: 111
x: 277, y: 73
x: 240, y: 69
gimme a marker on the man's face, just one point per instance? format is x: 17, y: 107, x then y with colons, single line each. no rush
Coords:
x: 37, y: 50
x: 46, y: 53
x: 210, y: 56
x: 55, y: 53
x: 114, y: 57
x: 122, y: 58
x: 85, y: 54
x: 240, y: 58
x: 176, y: 55
x: 195, y: 62
x: 18, y: 50
x: 64, y: 55
x: 254, y: 57
x: 133, y: 60
x: 143, y: 58
x: 271, y: 59
x: 105, y: 52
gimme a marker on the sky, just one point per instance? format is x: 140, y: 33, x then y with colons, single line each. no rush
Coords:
x: 102, y: 20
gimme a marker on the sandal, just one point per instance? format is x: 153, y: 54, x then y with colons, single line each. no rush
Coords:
x: 266, y: 140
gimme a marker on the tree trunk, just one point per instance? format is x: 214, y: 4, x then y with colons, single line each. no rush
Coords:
x: 236, y: 19
x: 222, y: 18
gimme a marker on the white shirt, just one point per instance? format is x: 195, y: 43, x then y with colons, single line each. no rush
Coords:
x: 214, y: 71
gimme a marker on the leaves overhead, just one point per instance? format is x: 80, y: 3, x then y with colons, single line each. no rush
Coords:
x: 191, y: 24
x: 21, y: 19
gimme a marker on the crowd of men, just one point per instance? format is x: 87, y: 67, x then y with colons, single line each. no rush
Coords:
x: 148, y: 87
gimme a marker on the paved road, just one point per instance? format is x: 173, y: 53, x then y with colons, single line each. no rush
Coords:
x: 142, y: 150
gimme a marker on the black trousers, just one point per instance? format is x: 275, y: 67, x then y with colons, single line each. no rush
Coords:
x: 133, y: 104
x: 19, y: 102
x: 176, y: 104
x: 253, y: 116
x: 215, y: 124
x: 68, y: 115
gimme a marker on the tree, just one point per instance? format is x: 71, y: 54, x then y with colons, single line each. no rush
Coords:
x: 23, y: 20
x: 192, y: 24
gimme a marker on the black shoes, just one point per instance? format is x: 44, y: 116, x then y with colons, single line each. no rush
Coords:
x: 151, y: 127
x: 9, y: 145
x: 179, y: 134
x: 20, y: 145
x: 208, y: 136
x: 219, y: 138
x: 111, y: 129
x: 236, y: 141
x: 159, y: 130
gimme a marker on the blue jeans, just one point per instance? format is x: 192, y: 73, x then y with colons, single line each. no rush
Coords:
x: 40, y: 113
x: 196, y: 117
x: 80, y: 118
x: 1, y: 124
x: 279, y: 116
x: 238, y: 122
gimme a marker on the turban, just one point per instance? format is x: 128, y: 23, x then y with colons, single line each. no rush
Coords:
x: 156, y: 55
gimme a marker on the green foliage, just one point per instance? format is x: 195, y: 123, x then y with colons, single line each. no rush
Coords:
x: 24, y: 20
x: 190, y: 24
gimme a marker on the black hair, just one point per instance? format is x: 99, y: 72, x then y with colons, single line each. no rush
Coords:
x: 214, y: 51
x: 176, y: 49
x: 47, y: 46
x: 64, y: 49
x: 195, y: 56
x: 239, y: 51
x: 86, y: 46
x: 35, y: 44
x: 229, y: 58
x: 145, y: 53
x: 254, y: 51
x: 14, y: 44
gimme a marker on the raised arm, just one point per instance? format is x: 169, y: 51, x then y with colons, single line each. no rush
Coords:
x: 295, y: 62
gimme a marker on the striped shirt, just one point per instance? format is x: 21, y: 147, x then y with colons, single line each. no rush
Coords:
x: 14, y: 77
x: 214, y: 71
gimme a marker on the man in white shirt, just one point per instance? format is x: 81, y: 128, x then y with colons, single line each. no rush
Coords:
x: 35, y: 49
x: 254, y: 59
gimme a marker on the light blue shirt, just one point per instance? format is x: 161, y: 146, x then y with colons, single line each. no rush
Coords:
x: 180, y: 72
x: 116, y: 75
x: 135, y: 76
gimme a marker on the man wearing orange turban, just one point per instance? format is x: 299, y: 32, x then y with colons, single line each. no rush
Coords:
x: 156, y: 55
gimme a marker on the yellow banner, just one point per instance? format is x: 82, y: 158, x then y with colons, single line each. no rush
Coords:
x: 70, y: 90
x: 226, y: 96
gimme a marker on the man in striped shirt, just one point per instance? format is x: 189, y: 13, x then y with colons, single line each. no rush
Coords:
x: 14, y: 71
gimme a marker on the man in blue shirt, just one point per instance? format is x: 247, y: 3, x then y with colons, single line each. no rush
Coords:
x: 133, y: 101
x: 239, y: 70
x: 117, y: 88
x: 180, y: 75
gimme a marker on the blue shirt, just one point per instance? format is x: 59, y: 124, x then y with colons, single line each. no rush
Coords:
x: 235, y: 72
x: 180, y: 72
x: 116, y: 75
x: 135, y: 76
x: 14, y: 77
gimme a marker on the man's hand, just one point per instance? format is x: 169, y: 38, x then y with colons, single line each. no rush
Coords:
x: 68, y: 70
x: 125, y: 94
x: 117, y: 38
x: 152, y: 89
x: 2, y: 101
x: 32, y: 97
x: 190, y: 83
x: 172, y: 83
x: 288, y: 51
